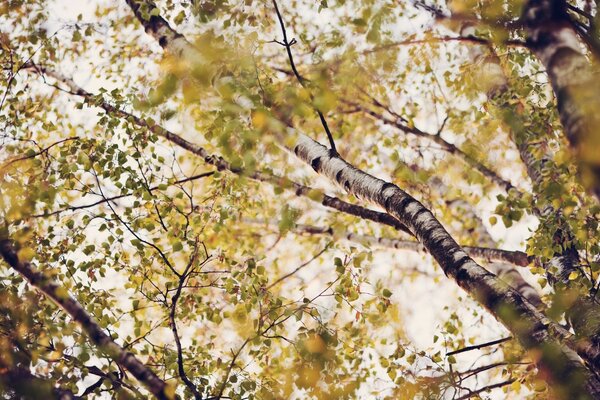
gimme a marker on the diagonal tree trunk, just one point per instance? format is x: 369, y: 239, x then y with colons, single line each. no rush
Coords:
x: 535, y: 332
x: 488, y: 252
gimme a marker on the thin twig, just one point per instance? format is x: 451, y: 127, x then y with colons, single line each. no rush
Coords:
x: 182, y: 279
x: 486, y: 388
x: 479, y: 346
x: 284, y: 277
x: 288, y: 47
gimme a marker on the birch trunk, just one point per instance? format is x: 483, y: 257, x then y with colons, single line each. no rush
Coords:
x: 531, y: 327
x: 575, y: 82
x: 583, y: 313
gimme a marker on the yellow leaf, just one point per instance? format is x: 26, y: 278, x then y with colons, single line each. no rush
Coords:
x: 573, y: 275
x: 170, y: 389
x: 315, y: 344
x: 26, y: 254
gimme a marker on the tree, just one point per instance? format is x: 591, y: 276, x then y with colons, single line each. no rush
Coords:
x: 171, y: 224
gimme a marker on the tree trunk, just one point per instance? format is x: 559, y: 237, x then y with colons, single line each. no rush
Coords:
x: 575, y: 82
x: 533, y: 330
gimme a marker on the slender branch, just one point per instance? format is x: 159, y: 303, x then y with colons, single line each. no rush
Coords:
x: 161, y: 254
x: 94, y: 332
x: 443, y: 39
x: 485, y: 389
x: 42, y: 151
x: 517, y: 258
x: 180, y: 368
x: 439, y: 140
x: 479, y: 346
x: 222, y: 164
x: 288, y: 48
x: 301, y: 266
x: 230, y: 368
x: 464, y: 375
x: 117, y: 197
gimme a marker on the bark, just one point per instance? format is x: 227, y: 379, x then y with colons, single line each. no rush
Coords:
x: 576, y: 84
x: 505, y: 271
x: 76, y: 311
x: 534, y: 331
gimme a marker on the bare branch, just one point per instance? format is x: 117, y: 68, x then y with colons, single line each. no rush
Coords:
x: 479, y: 346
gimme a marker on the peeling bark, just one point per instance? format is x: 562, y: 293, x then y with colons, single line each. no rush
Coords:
x: 76, y: 311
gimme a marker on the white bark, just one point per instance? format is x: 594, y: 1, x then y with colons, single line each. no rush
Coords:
x: 531, y: 327
x: 576, y: 83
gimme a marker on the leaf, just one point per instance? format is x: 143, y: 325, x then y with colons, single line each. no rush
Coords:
x: 177, y: 246
x: 573, y: 275
x: 26, y: 254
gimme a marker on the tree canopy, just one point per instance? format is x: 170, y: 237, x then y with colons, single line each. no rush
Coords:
x: 216, y: 199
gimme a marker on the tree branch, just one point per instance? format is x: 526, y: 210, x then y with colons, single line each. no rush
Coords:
x: 94, y: 332
x: 288, y: 47
x: 532, y: 328
x: 221, y: 164
x: 518, y: 258
x: 479, y: 346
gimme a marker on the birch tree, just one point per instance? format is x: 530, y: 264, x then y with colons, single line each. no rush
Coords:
x: 300, y: 199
